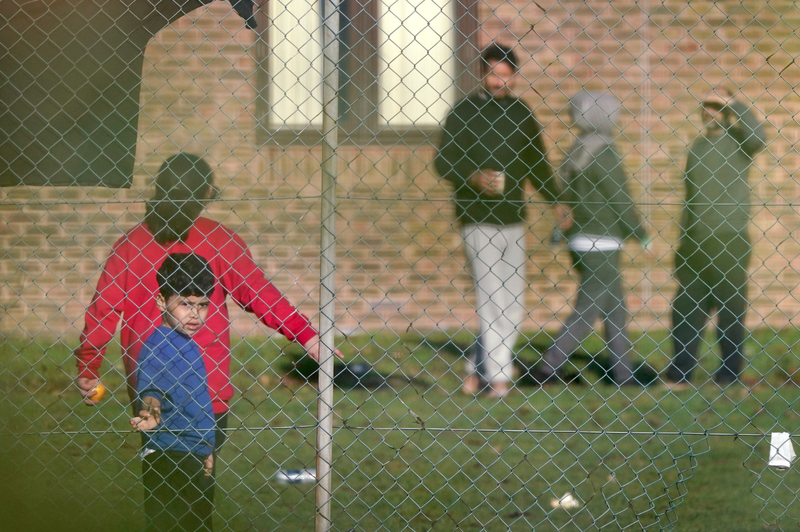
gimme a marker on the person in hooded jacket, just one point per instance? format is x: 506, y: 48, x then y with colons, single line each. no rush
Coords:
x: 711, y: 263
x: 604, y: 216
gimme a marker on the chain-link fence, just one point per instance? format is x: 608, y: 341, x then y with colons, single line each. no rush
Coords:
x: 562, y: 278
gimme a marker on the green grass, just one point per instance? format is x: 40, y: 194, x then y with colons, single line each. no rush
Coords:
x: 416, y: 454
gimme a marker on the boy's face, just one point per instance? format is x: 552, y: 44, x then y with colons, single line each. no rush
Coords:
x: 184, y: 314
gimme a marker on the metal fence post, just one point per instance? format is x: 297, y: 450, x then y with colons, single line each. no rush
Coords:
x: 330, y: 141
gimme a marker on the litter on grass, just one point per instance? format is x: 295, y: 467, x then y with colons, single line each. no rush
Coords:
x: 296, y: 476
x: 568, y: 502
x: 781, y: 451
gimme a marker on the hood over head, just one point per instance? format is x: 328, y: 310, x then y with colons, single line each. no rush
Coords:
x: 717, y: 98
x: 594, y: 112
x: 594, y: 116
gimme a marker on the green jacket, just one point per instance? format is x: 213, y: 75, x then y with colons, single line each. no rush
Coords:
x: 595, y: 181
x: 599, y: 201
x: 499, y: 134
x: 718, y: 194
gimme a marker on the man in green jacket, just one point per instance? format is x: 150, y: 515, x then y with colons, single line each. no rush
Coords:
x: 711, y: 264
x: 491, y: 147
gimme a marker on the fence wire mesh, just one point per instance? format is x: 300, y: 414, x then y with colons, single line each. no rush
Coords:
x: 505, y: 368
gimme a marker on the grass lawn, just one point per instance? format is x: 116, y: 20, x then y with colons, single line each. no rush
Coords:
x: 415, y: 454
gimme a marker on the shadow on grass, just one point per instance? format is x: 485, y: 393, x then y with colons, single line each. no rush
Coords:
x: 350, y: 375
x: 596, y: 365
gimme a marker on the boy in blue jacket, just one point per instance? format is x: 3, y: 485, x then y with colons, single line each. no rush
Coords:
x: 176, y: 414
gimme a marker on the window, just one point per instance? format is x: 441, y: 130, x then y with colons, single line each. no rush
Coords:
x: 295, y: 64
x: 417, y: 65
x: 400, y: 68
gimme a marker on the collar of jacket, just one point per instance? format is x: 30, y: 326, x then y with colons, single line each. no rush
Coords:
x: 505, y: 101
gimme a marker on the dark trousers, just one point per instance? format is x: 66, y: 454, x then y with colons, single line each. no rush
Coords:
x: 599, y: 296
x: 712, y: 275
x: 178, y: 496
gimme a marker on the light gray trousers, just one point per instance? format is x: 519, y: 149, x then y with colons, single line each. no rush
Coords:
x: 497, y: 258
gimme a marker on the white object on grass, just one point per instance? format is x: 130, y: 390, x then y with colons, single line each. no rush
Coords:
x: 296, y: 476
x: 567, y: 502
x: 781, y: 450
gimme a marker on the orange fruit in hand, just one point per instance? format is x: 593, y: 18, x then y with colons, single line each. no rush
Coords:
x: 100, y: 393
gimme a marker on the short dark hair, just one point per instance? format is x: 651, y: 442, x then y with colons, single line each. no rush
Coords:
x: 184, y: 184
x: 185, y: 275
x: 501, y: 54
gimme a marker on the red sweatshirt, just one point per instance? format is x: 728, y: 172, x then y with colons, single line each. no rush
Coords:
x: 127, y: 289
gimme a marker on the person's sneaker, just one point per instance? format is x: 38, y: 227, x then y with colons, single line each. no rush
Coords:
x: 643, y: 375
x: 539, y: 377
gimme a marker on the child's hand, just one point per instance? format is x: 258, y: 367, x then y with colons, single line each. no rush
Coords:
x: 208, y: 465
x: 87, y: 387
x: 312, y: 348
x: 146, y: 420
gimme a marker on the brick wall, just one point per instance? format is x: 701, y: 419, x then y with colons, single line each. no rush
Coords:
x: 400, y: 255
